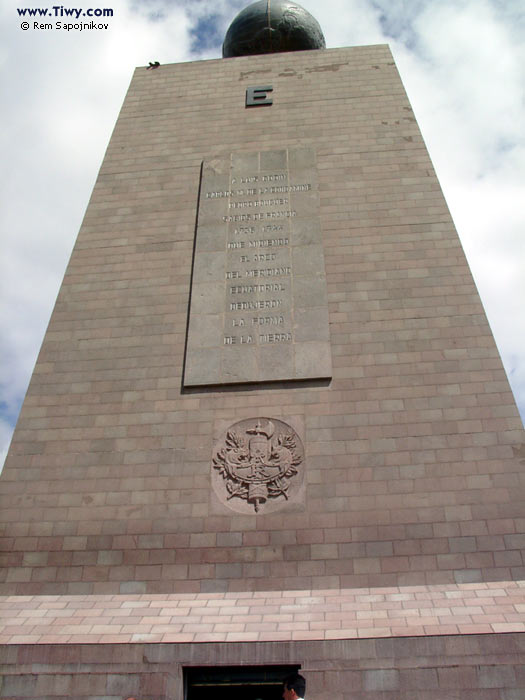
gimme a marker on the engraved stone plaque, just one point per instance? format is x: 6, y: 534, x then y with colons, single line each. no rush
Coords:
x: 258, y: 308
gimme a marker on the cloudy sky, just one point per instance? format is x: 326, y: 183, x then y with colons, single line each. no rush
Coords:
x: 462, y: 63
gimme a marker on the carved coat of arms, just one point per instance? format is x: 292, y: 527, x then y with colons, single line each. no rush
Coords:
x: 258, y: 461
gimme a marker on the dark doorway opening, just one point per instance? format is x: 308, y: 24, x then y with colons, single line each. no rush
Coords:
x: 236, y: 682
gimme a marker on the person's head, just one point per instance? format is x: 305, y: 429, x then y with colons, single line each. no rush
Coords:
x: 294, y: 687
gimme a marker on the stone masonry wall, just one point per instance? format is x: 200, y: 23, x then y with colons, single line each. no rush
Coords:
x: 476, y: 667
x: 414, y: 451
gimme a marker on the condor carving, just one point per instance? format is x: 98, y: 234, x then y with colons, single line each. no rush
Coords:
x: 258, y: 462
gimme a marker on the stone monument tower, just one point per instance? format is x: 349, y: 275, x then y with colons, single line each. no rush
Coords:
x: 268, y: 429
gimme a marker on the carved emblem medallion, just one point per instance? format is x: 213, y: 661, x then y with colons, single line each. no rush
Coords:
x: 257, y: 465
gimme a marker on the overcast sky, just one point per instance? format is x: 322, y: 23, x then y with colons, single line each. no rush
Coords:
x: 463, y: 66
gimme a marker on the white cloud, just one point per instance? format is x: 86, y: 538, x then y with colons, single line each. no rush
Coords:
x: 62, y: 92
x: 462, y: 62
x: 465, y: 79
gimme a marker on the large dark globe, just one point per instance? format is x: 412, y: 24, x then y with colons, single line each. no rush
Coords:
x: 272, y: 26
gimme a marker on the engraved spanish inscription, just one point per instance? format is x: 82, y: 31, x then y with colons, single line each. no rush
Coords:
x: 258, y: 308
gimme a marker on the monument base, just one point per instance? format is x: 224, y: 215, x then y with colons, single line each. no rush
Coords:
x: 416, y: 641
